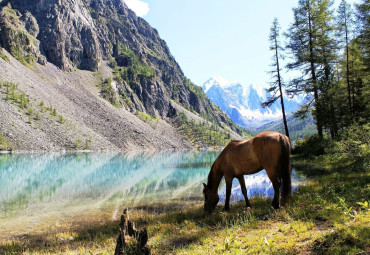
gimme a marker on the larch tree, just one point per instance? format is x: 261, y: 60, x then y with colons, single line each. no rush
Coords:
x: 310, y: 45
x: 275, y: 90
x: 362, y: 83
x: 345, y: 25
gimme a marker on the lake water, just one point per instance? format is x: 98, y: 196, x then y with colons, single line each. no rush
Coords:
x: 35, y: 187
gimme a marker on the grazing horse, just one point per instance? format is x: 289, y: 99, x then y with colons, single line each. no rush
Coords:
x: 268, y: 150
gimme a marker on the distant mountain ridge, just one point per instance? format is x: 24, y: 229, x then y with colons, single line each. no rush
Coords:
x: 243, y: 103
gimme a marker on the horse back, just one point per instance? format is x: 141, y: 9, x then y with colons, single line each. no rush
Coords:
x: 269, y: 146
x: 250, y: 156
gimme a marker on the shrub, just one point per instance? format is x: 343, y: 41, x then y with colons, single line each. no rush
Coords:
x: 3, y: 144
x: 311, y: 146
x: 354, y: 146
x: 61, y: 119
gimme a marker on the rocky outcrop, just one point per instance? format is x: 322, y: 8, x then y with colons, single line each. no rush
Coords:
x: 65, y: 31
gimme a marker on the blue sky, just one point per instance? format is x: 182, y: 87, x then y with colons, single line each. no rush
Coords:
x: 214, y: 37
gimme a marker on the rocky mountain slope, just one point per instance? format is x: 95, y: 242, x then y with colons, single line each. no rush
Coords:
x: 243, y: 104
x: 93, y: 75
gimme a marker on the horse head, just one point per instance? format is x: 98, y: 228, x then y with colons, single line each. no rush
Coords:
x: 210, y: 199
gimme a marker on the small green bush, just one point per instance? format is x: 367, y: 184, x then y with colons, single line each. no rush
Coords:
x: 3, y: 144
x: 311, y: 146
x: 61, y: 119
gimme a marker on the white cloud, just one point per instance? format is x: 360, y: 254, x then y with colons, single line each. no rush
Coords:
x: 139, y: 7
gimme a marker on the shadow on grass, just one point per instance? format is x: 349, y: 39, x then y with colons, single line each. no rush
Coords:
x: 355, y: 239
x: 94, y: 233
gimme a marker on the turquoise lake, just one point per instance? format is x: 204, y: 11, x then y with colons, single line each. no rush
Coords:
x: 36, y: 188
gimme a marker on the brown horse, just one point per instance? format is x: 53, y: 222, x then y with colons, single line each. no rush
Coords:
x: 268, y: 150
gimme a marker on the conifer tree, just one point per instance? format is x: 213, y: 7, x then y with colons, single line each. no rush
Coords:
x: 275, y: 90
x: 345, y: 23
x: 311, y: 46
x: 363, y: 17
x: 362, y: 79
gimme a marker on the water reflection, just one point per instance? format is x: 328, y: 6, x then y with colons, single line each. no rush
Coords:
x: 52, y: 181
x: 258, y: 185
x: 33, y: 186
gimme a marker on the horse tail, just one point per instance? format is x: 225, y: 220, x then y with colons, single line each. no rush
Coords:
x: 285, y: 169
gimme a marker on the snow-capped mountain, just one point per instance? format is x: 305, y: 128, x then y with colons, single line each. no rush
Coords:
x: 243, y: 103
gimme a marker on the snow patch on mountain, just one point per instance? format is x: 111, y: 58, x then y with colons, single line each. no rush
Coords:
x: 243, y: 103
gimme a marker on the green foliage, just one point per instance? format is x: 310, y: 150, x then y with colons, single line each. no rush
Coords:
x: 204, y: 133
x: 3, y: 144
x: 108, y: 93
x: 133, y: 68
x: 42, y: 106
x: 23, y: 101
x: 298, y: 128
x: 275, y: 90
x: 353, y: 148
x: 53, y: 111
x: 152, y: 120
x: 311, y: 146
x: 332, y: 61
x: 13, y: 94
x: 77, y: 143
x: 87, y: 143
x: 3, y: 56
x: 19, y: 98
x: 23, y: 44
x: 61, y: 119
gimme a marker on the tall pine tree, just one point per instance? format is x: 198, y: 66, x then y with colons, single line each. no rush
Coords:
x: 345, y: 24
x: 311, y: 46
x: 362, y: 82
x: 275, y: 90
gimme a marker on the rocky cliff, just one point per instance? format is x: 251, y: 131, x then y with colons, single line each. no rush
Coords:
x: 132, y: 66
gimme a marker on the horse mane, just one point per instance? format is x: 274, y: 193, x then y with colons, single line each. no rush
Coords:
x: 210, y: 177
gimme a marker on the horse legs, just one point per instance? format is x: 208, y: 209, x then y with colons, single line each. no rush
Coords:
x: 229, y: 182
x: 276, y: 183
x: 244, y: 190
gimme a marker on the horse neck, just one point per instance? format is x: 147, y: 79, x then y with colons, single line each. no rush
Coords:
x: 214, y: 179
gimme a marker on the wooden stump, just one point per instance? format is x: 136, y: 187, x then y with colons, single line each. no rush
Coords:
x: 141, y: 236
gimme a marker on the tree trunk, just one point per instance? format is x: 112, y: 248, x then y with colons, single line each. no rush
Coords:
x: 281, y: 92
x: 313, y: 75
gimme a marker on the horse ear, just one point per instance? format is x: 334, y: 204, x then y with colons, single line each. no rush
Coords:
x: 204, y: 185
